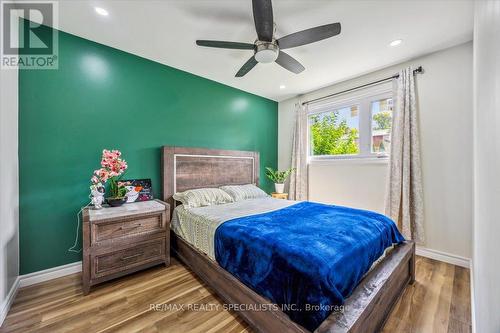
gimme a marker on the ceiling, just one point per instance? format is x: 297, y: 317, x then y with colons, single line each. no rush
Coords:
x: 165, y: 31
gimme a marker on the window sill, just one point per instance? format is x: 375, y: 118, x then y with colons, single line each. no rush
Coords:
x: 347, y: 160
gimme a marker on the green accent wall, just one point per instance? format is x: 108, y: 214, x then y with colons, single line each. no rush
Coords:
x: 99, y: 98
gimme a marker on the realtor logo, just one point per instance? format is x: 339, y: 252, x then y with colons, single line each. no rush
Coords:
x: 29, y: 35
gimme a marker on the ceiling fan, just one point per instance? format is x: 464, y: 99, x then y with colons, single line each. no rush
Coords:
x: 268, y: 49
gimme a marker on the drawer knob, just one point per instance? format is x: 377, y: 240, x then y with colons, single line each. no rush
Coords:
x: 133, y: 256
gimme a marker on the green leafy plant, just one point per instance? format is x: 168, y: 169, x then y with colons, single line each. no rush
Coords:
x: 117, y: 189
x: 278, y: 177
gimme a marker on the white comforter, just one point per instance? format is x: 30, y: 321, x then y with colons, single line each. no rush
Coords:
x: 197, y: 225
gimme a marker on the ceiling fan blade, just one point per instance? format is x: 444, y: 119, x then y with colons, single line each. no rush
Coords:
x: 225, y: 45
x: 247, y: 67
x: 263, y: 18
x: 287, y: 62
x: 309, y: 36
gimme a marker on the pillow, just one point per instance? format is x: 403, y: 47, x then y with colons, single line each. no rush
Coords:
x: 203, y: 197
x: 243, y: 192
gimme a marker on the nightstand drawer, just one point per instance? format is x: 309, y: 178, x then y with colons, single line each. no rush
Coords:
x: 139, y: 254
x: 126, y: 228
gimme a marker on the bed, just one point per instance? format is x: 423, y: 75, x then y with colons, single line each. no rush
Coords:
x: 369, y: 302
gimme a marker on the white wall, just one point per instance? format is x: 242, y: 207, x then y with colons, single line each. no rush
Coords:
x: 353, y: 184
x: 445, y: 100
x: 9, y: 202
x: 486, y: 250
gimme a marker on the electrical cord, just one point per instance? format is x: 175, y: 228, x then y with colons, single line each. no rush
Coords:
x: 73, y: 248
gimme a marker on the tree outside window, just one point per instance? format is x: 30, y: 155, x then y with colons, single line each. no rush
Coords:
x: 331, y: 133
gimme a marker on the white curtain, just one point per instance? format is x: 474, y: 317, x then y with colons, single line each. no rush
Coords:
x: 404, y: 202
x: 298, y: 179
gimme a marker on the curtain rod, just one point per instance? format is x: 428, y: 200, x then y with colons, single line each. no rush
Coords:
x: 418, y: 70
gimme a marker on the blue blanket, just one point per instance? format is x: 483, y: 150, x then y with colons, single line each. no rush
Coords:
x: 307, y: 257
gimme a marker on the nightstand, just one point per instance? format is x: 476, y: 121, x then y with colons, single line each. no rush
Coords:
x: 120, y: 240
x: 280, y: 195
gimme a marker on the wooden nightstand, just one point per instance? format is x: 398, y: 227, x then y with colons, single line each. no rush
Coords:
x: 121, y: 240
x: 280, y: 195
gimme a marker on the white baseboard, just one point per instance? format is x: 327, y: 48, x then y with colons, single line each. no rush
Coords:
x: 472, y: 298
x: 443, y: 256
x: 49, y: 274
x: 5, y: 306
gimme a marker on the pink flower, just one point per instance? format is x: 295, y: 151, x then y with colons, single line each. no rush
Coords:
x: 104, y: 174
x: 111, y: 166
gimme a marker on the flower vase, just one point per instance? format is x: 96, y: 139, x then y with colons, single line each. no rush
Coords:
x: 116, y: 202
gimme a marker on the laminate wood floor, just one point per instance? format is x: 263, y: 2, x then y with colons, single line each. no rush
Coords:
x: 439, y: 301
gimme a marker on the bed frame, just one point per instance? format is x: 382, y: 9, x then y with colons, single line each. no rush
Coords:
x: 365, y: 310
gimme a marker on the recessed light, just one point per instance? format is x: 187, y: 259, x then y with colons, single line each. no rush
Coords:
x: 101, y: 11
x: 282, y: 86
x: 396, y: 42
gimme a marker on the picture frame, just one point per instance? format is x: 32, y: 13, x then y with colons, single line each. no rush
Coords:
x: 138, y: 190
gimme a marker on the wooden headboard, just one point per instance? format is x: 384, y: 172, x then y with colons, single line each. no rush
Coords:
x: 186, y: 168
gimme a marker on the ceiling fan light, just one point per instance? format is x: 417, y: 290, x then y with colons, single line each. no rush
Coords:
x: 266, y: 56
x: 266, y: 52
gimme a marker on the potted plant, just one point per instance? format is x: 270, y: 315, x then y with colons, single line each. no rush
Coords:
x: 278, y: 178
x: 112, y: 169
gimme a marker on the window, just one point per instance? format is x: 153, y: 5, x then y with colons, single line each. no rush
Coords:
x: 335, y: 132
x: 356, y: 126
x: 381, y: 112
